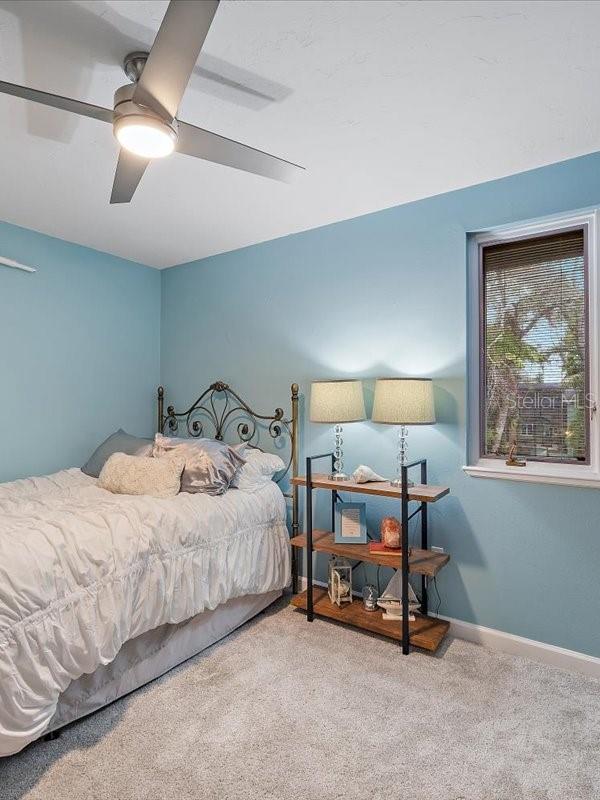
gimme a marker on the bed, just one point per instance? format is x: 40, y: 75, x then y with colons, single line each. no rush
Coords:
x: 101, y: 593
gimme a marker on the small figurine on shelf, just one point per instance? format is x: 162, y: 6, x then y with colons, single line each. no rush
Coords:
x: 364, y: 474
x: 390, y: 531
x: 391, y: 599
x: 339, y: 581
x: 390, y: 544
x: 369, y: 594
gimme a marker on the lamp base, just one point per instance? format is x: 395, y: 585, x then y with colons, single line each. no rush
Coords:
x: 397, y: 483
x: 339, y: 476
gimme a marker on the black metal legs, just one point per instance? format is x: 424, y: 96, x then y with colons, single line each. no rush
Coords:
x: 405, y: 606
x: 424, y: 600
x: 405, y: 544
x: 295, y: 570
x: 310, y: 615
x: 334, y: 496
x: 309, y: 543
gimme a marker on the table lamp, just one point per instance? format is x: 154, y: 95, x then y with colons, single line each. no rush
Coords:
x: 337, y: 402
x: 403, y: 401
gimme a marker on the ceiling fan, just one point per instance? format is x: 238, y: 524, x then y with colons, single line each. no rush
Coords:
x: 144, y: 116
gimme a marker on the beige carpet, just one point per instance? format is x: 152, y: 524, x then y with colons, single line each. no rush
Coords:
x: 284, y: 709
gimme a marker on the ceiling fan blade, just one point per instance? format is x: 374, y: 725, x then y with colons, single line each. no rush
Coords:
x: 56, y: 101
x: 174, y: 55
x: 199, y: 143
x: 128, y: 174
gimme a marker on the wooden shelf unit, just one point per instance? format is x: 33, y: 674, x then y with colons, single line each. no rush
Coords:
x: 420, y: 562
x: 425, y: 632
x: 422, y: 493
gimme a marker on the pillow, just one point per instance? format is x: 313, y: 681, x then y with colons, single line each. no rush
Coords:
x: 118, y: 442
x: 258, y: 470
x: 123, y: 474
x: 209, y: 465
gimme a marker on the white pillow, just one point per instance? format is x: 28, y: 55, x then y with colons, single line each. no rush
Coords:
x: 156, y: 477
x: 258, y: 470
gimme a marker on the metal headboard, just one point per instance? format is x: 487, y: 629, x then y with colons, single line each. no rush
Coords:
x: 223, y: 410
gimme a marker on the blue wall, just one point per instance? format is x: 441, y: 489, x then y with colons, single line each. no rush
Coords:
x: 385, y: 294
x: 379, y: 295
x: 79, y: 352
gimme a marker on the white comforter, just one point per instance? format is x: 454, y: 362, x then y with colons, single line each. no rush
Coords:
x: 82, y: 571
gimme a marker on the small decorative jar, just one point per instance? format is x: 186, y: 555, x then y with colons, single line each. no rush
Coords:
x: 390, y: 532
x: 369, y: 594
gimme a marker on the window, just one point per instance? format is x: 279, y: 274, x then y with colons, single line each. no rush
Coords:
x: 535, y: 345
x: 532, y: 374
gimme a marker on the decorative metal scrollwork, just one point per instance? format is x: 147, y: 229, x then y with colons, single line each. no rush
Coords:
x: 246, y: 432
x: 229, y: 412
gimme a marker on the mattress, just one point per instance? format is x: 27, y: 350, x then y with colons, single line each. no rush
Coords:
x: 83, y: 571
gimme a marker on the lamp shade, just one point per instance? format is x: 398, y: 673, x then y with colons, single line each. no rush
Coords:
x: 404, y: 401
x: 337, y: 401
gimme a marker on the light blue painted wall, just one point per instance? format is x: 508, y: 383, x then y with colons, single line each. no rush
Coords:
x: 385, y: 294
x: 79, y: 352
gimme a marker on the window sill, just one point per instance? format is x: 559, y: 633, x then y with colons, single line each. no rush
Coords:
x: 556, y: 474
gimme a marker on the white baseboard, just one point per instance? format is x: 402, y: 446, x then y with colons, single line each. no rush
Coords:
x: 515, y: 645
x: 527, y: 648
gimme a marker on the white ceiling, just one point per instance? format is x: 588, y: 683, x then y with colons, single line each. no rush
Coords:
x: 383, y: 102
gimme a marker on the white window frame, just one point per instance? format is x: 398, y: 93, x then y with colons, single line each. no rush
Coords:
x: 534, y: 471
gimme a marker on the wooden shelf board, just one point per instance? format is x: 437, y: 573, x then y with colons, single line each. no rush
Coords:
x: 420, y: 562
x: 425, y: 632
x: 423, y: 493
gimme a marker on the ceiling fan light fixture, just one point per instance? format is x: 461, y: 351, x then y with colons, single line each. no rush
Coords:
x: 144, y: 114
x: 145, y: 136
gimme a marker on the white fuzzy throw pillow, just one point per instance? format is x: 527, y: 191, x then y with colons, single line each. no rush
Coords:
x: 156, y: 477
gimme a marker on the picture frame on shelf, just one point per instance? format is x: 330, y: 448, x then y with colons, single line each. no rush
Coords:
x: 350, y: 523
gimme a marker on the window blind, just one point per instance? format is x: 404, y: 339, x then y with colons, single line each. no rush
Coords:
x: 535, y: 341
